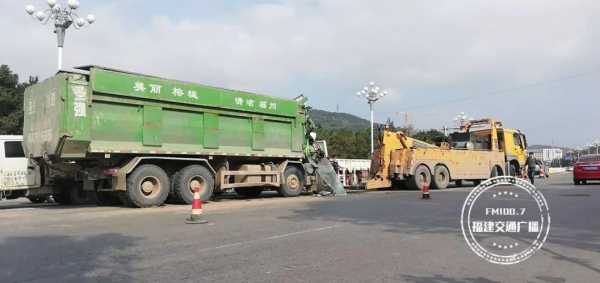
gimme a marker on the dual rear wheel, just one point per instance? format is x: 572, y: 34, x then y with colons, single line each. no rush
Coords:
x: 149, y: 185
x: 422, y: 176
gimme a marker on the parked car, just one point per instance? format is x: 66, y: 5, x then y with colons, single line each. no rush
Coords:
x: 586, y: 168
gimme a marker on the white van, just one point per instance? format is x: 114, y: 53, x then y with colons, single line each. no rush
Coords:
x: 17, y: 175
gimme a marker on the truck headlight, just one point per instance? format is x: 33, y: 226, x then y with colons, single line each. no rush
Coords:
x: 313, y: 135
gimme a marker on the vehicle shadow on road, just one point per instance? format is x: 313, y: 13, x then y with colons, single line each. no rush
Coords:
x: 406, y: 215
x: 100, y: 258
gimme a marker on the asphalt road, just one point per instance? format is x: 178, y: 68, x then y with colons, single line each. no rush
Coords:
x: 375, y: 236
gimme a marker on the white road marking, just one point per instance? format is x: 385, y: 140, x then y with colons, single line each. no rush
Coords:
x: 275, y: 237
x: 196, y: 253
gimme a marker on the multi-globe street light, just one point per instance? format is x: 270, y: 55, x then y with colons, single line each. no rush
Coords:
x: 63, y: 18
x: 461, y: 119
x: 372, y: 93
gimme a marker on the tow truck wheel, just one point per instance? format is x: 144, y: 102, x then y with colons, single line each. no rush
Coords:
x: 441, y: 178
x: 292, y: 183
x: 148, y: 185
x: 496, y: 171
x: 512, y: 170
x: 421, y: 175
x: 190, y: 177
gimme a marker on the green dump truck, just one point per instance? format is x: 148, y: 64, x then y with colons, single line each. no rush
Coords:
x: 118, y: 136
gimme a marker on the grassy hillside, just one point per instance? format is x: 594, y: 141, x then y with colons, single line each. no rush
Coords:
x: 335, y: 121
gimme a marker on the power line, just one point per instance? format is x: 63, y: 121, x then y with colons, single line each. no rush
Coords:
x: 502, y: 91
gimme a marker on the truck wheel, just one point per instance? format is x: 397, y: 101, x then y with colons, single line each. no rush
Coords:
x: 513, y: 170
x: 147, y: 185
x: 292, y: 183
x: 496, y: 172
x: 189, y: 177
x: 441, y: 178
x: 417, y: 181
x: 248, y: 192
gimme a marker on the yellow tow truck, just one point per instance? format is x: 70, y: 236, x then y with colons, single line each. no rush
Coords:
x: 480, y: 149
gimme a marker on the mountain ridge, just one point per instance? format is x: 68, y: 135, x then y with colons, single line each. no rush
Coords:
x: 338, y: 120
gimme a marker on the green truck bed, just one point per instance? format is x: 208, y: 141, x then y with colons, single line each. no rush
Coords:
x: 73, y: 116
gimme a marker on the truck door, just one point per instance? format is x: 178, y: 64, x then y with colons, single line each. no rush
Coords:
x: 519, y: 147
x: 15, y: 171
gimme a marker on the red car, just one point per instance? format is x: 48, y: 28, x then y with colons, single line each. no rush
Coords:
x: 587, y: 168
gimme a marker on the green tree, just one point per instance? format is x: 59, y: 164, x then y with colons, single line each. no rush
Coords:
x: 432, y: 136
x: 347, y: 143
x: 11, y: 101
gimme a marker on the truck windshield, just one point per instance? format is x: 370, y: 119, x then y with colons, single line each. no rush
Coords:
x: 13, y: 149
x: 517, y: 139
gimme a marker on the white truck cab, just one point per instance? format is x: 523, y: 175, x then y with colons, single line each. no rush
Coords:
x: 17, y: 174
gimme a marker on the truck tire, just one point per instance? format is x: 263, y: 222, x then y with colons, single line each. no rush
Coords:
x: 496, y: 171
x: 293, y: 182
x: 147, y: 185
x: 248, y: 192
x: 417, y: 180
x: 190, y: 176
x: 441, y: 178
x: 512, y: 170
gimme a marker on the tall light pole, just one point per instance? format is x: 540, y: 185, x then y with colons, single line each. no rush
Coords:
x: 372, y: 93
x: 461, y: 119
x: 62, y: 18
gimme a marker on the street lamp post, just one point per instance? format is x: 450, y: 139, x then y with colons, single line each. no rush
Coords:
x: 63, y: 18
x: 461, y: 119
x: 372, y: 93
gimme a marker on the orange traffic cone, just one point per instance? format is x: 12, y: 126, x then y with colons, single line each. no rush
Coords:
x: 425, y: 192
x: 196, y: 216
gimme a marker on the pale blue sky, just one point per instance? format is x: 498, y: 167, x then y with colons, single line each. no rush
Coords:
x: 532, y: 64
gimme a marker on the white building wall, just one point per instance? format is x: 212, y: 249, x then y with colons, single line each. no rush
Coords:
x: 547, y: 154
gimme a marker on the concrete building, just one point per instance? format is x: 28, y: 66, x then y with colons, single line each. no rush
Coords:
x: 547, y: 154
